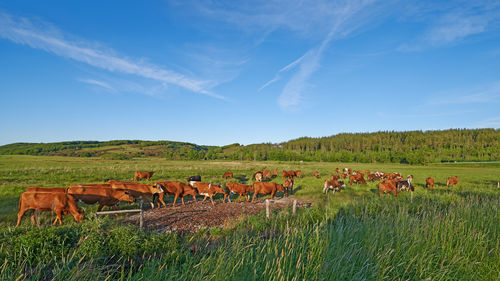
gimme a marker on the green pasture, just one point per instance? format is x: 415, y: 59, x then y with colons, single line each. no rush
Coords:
x: 442, y: 234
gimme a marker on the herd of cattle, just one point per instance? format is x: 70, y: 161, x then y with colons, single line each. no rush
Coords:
x: 63, y: 200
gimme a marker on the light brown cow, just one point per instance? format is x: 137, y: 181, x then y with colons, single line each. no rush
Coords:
x: 241, y: 189
x: 429, y: 182
x: 288, y: 186
x: 452, y: 181
x: 103, y: 194
x: 137, y: 190
x: 266, y: 174
x: 209, y: 190
x: 334, y: 185
x: 298, y: 173
x: 227, y: 175
x: 316, y: 174
x: 266, y: 188
x: 386, y: 187
x: 143, y: 175
x: 58, y: 202
x: 358, y: 178
x: 177, y: 189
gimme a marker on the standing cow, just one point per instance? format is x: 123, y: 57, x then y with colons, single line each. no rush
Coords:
x: 429, y: 182
x: 452, y: 181
x: 58, y: 202
x: 142, y: 175
x: 266, y: 188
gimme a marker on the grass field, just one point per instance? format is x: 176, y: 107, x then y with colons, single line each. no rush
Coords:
x: 353, y: 235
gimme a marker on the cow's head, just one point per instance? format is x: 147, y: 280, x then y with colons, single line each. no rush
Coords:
x: 155, y: 188
x: 280, y: 187
x: 123, y: 195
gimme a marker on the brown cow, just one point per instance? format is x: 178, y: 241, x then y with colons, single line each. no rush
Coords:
x: 316, y: 174
x: 372, y: 177
x: 239, y: 188
x: 227, y: 175
x: 289, y: 174
x: 337, y: 170
x: 343, y: 175
x: 333, y: 185
x: 58, y: 202
x: 208, y: 190
x: 367, y: 172
x: 452, y: 181
x: 143, y: 175
x: 177, y: 189
x: 275, y: 173
x: 266, y: 174
x: 358, y: 178
x: 103, y: 194
x: 46, y: 189
x: 266, y: 188
x: 429, y: 182
x: 298, y: 173
x: 137, y: 190
x: 386, y: 187
x: 334, y: 177
x: 288, y: 186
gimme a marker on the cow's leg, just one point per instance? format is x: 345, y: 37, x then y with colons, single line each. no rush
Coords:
x: 204, y: 198
x: 58, y: 217
x: 253, y: 197
x: 20, y: 216
x: 211, y: 199
x: 160, y: 198
x: 194, y: 198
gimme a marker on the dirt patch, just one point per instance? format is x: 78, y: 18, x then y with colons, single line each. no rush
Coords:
x: 194, y: 216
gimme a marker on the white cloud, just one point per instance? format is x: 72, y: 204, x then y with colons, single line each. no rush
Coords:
x: 484, y: 94
x: 488, y: 123
x: 44, y: 36
x: 97, y: 83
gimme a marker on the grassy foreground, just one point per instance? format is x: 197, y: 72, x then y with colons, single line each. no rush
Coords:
x: 355, y: 235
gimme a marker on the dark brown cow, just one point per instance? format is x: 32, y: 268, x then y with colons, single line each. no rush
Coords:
x: 177, y: 189
x: 452, y: 181
x: 316, y: 174
x: 241, y: 189
x: 429, y: 182
x: 208, y: 190
x: 386, y: 187
x: 227, y: 175
x: 137, y: 190
x: 288, y: 186
x: 358, y: 178
x: 103, y: 194
x: 58, y: 202
x: 289, y: 174
x: 143, y: 175
x: 266, y: 188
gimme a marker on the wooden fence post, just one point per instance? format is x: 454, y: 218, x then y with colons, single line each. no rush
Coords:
x: 411, y: 197
x: 498, y: 184
x: 294, y: 208
x: 141, y: 219
x: 268, y: 213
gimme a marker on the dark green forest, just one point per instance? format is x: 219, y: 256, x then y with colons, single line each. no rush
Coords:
x: 410, y: 147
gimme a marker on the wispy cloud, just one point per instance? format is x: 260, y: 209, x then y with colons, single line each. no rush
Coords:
x: 488, y: 123
x: 44, y: 36
x: 97, y: 83
x: 484, y: 94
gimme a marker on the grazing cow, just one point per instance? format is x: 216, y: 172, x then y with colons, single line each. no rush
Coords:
x: 387, y: 186
x: 58, y: 202
x: 429, y: 182
x: 103, y: 194
x: 372, y: 177
x: 343, y: 175
x: 177, y: 189
x: 337, y: 170
x: 143, y: 175
x: 209, y: 190
x: 316, y: 174
x: 367, y: 172
x: 334, y: 185
x: 288, y: 186
x: 227, y: 175
x: 298, y: 173
x: 275, y: 174
x: 266, y: 174
x: 289, y: 174
x: 334, y: 177
x: 192, y: 179
x: 266, y: 188
x: 405, y: 185
x: 358, y: 178
x: 137, y: 190
x: 257, y: 176
x: 452, y: 181
x: 349, y: 171
x: 239, y: 188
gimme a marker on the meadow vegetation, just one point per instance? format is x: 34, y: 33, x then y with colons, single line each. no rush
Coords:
x: 440, y: 234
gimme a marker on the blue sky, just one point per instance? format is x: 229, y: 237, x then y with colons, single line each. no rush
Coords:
x: 220, y: 72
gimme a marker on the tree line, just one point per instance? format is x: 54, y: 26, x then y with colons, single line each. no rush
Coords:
x: 410, y: 147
